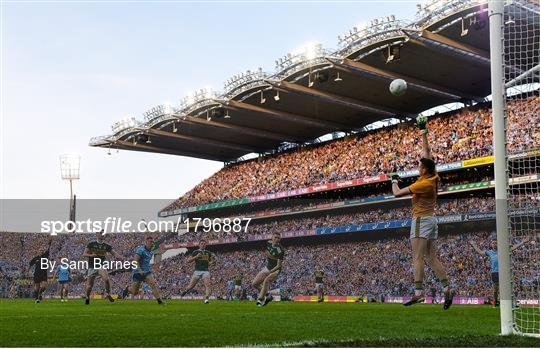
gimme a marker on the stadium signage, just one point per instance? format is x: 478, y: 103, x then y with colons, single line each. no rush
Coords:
x: 524, y: 154
x: 468, y: 186
x: 478, y: 161
x: 349, y: 183
x: 457, y: 300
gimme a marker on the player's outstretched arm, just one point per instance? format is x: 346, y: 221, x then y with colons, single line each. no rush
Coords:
x: 395, y: 187
x: 116, y: 254
x: 421, y: 122
x: 137, y: 261
x: 88, y: 253
x: 192, y: 259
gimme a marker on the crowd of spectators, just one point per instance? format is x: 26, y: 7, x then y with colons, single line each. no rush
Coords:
x: 373, y: 267
x: 380, y: 267
x: 371, y: 214
x: 456, y: 136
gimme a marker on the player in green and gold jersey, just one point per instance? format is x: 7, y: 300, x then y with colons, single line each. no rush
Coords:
x: 319, y: 285
x: 96, y: 252
x: 270, y: 273
x: 238, y: 286
x: 202, y: 258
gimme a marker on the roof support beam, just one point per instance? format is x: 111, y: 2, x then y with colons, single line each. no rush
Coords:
x: 275, y: 136
x: 335, y: 99
x: 359, y: 68
x: 151, y: 148
x: 455, y: 44
x: 301, y: 119
x: 438, y: 42
x: 206, y: 141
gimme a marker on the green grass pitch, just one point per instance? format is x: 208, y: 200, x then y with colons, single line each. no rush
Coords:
x: 190, y: 323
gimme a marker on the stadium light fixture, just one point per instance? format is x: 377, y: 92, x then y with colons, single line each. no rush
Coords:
x: 338, y: 78
x: 208, y: 117
x: 148, y: 141
x: 262, y: 97
x: 463, y: 30
x: 310, y: 82
x: 227, y: 116
x: 390, y: 56
x: 70, y: 169
x: 174, y: 127
x: 276, y: 97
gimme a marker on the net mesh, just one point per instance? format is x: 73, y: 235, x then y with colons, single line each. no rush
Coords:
x: 521, y: 59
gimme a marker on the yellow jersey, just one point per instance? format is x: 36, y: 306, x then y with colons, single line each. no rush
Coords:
x: 424, y: 197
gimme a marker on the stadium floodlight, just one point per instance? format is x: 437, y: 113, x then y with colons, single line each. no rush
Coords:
x: 245, y: 81
x: 338, y: 78
x: 276, y: 97
x: 174, y: 127
x: 227, y: 116
x: 262, y: 97
x: 70, y: 170
x: 123, y: 124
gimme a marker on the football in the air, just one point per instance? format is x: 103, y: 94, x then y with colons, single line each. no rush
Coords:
x: 398, y: 87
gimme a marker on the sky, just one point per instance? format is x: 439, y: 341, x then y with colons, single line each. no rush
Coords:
x: 72, y: 69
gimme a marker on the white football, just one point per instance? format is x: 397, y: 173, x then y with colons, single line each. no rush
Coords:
x: 398, y: 87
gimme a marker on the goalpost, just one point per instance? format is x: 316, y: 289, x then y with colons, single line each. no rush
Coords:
x: 515, y: 81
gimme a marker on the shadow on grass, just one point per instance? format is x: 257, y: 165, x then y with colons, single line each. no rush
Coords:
x: 448, y: 342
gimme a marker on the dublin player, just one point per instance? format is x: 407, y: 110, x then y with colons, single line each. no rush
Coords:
x: 96, y: 252
x: 64, y: 278
x: 202, y: 258
x: 494, y: 264
x: 270, y: 273
x: 143, y: 272
x: 40, y: 273
x: 424, y: 230
x: 319, y: 285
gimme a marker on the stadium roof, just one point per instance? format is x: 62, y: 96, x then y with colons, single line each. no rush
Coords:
x: 443, y: 55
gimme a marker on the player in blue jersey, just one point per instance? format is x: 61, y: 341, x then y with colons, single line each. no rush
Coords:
x: 64, y: 278
x: 143, y: 272
x: 494, y: 264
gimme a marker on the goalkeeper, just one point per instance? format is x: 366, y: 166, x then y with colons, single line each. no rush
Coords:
x: 424, y: 229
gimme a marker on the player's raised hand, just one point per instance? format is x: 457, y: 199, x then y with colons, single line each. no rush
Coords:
x: 421, y: 122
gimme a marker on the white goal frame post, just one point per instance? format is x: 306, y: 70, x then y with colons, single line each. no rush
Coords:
x: 509, y: 311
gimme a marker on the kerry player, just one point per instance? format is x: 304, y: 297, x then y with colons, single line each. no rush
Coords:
x: 203, y: 259
x: 270, y: 273
x: 238, y: 286
x: 96, y: 252
x: 424, y: 230
x: 143, y: 272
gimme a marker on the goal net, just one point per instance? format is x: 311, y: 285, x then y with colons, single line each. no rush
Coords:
x: 521, y: 47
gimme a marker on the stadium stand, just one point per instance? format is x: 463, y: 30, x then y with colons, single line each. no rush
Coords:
x: 461, y: 135
x: 370, y: 262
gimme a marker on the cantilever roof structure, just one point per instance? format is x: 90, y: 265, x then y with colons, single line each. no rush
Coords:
x: 443, y: 55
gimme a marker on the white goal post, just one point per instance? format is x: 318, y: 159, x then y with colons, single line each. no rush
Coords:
x: 515, y: 82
